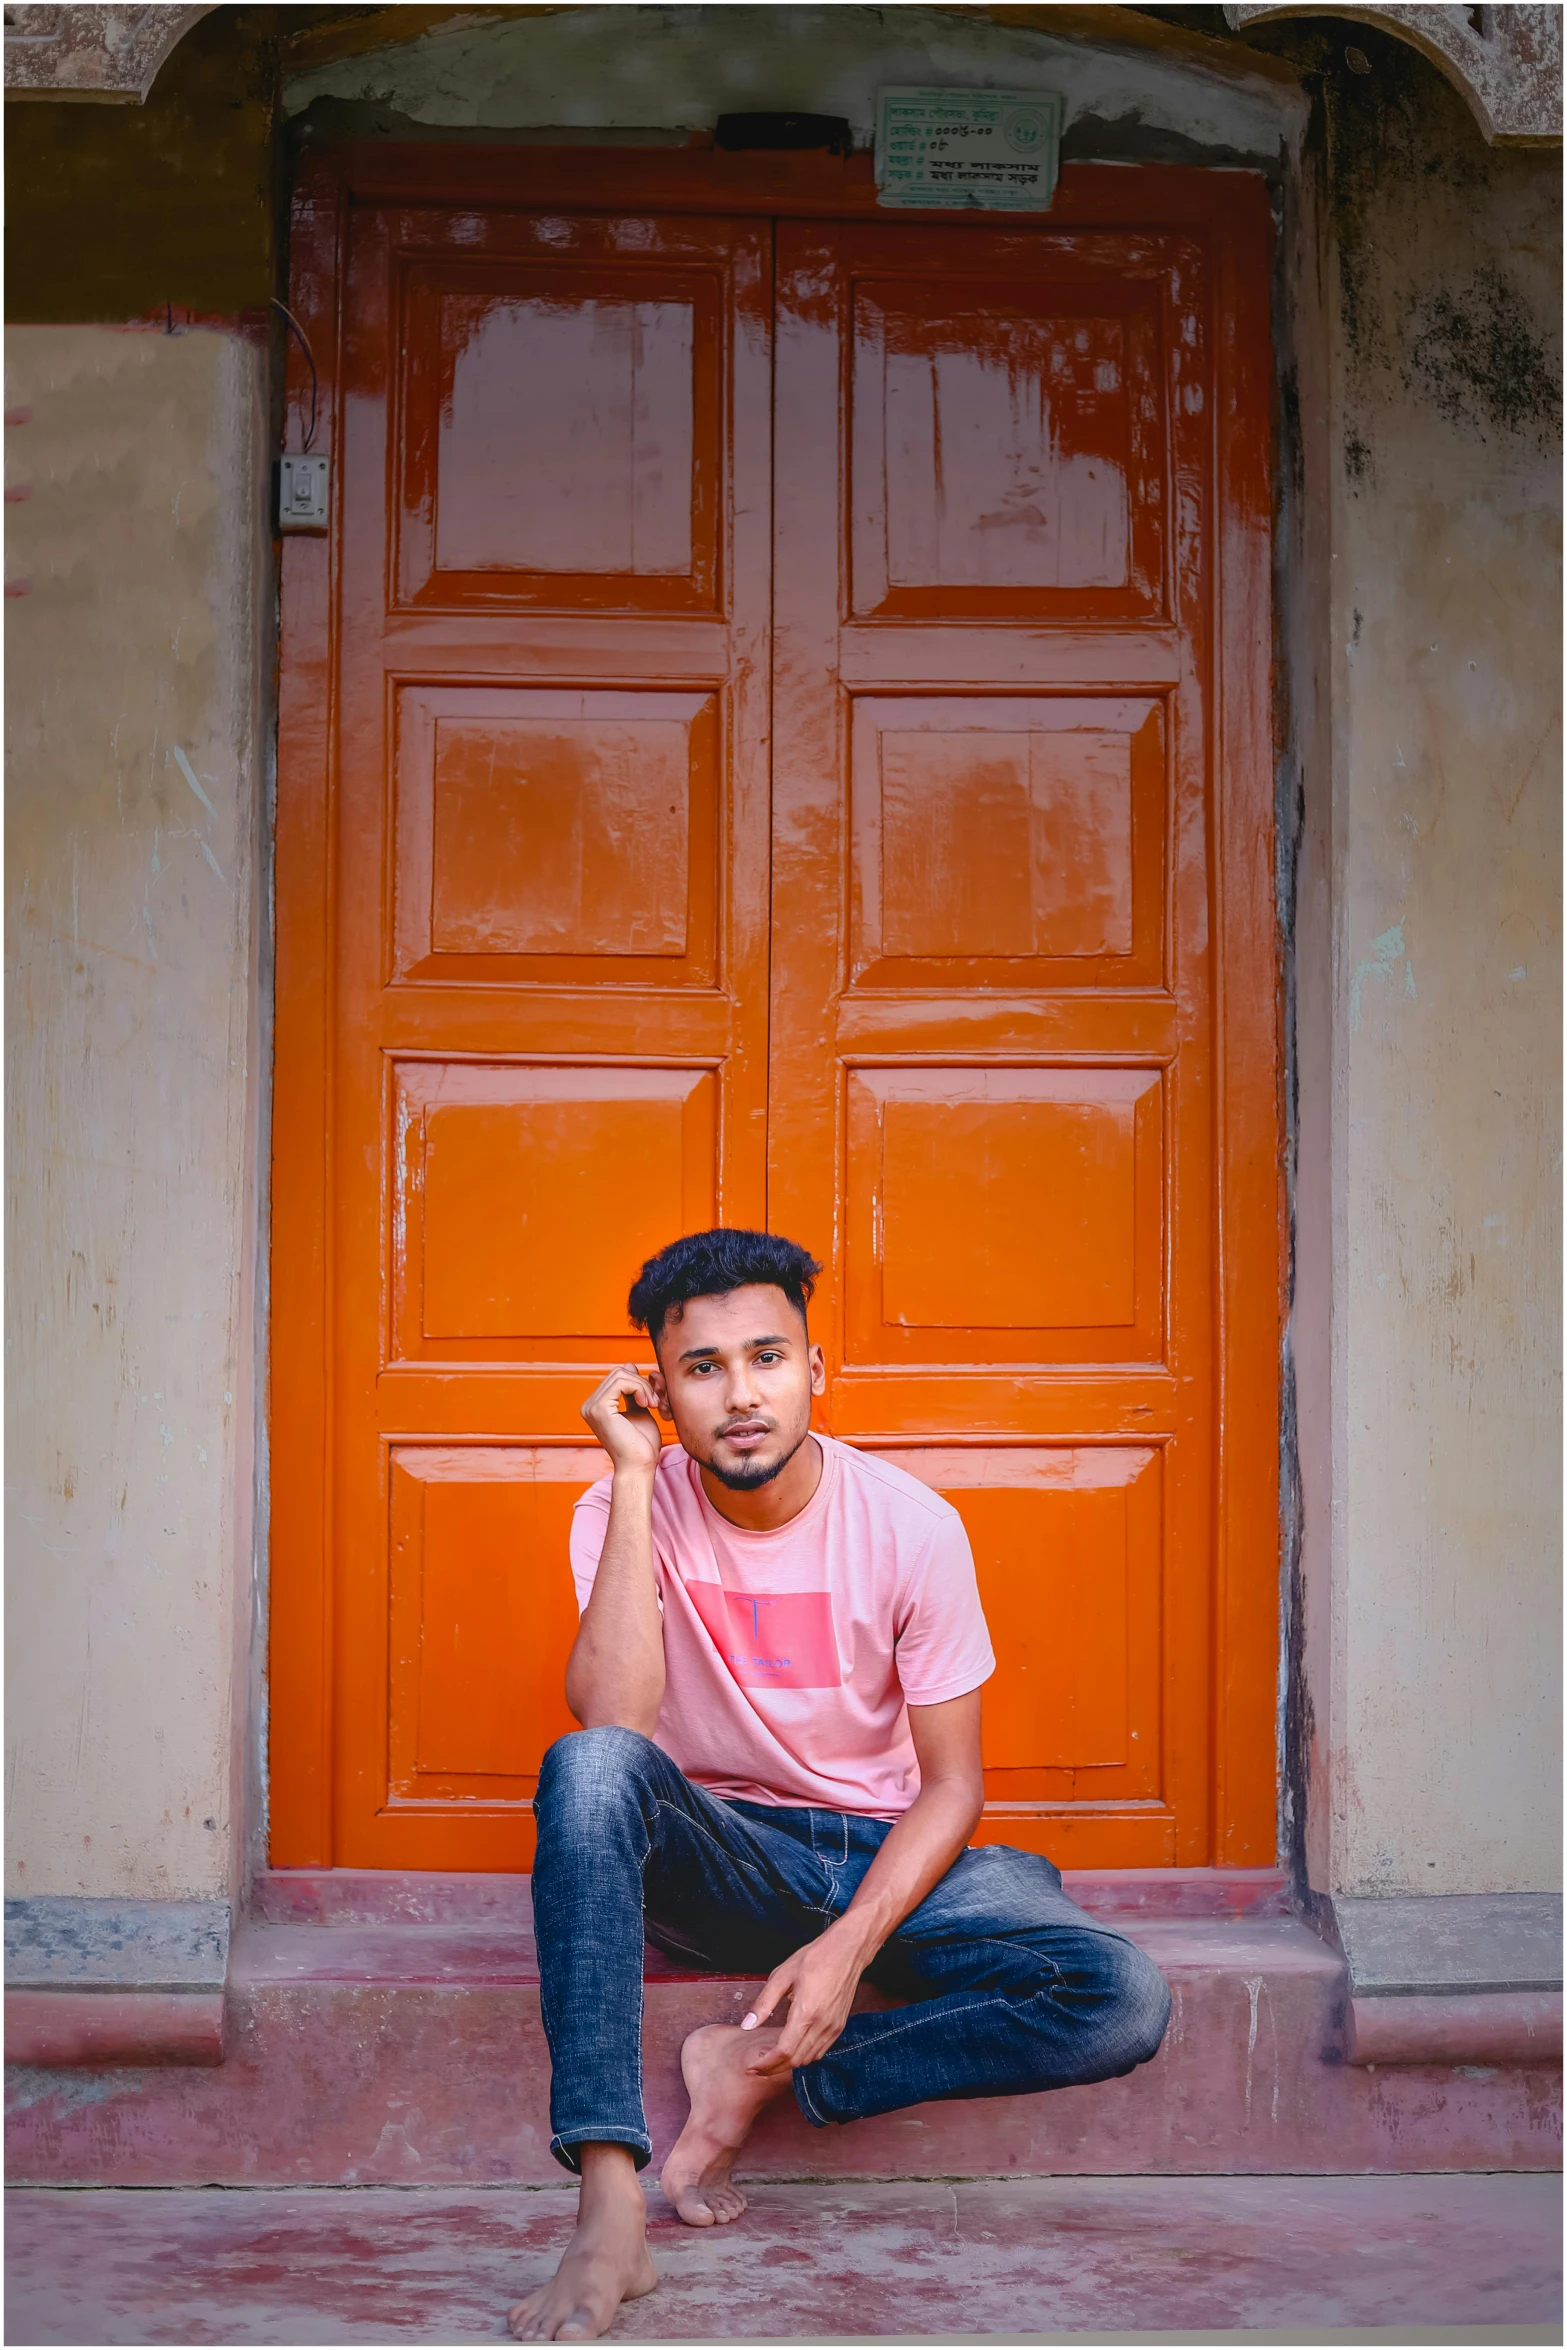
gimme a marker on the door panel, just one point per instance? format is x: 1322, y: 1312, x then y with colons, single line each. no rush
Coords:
x: 563, y: 443
x: 482, y: 1604
x: 1006, y: 459
x: 503, y: 1166
x: 1006, y: 841
x: 1003, y: 1213
x: 1067, y: 1545
x: 557, y: 837
x: 551, y: 1016
x: 1010, y: 1157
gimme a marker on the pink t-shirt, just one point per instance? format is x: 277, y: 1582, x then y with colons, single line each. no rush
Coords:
x: 790, y: 1657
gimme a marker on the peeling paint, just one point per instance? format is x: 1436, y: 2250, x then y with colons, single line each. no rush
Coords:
x: 1386, y: 952
x: 687, y: 65
x: 189, y: 773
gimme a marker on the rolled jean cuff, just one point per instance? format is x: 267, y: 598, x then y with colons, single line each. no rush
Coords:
x: 805, y: 2101
x: 607, y: 2134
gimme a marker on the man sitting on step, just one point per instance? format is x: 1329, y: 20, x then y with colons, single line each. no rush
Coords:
x: 777, y: 1675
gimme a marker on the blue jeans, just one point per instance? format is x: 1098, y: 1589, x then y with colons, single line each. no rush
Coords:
x: 1008, y: 1986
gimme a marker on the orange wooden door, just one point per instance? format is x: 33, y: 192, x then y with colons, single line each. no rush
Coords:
x: 548, y: 971
x: 977, y: 577
x: 994, y: 1049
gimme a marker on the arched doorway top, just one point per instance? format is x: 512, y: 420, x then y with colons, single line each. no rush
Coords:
x: 111, y: 54
x: 1505, y: 61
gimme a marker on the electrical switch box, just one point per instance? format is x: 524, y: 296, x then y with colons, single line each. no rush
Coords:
x: 303, y: 492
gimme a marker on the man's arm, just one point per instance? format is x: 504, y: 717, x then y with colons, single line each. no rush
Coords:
x: 615, y: 1673
x: 820, y: 1981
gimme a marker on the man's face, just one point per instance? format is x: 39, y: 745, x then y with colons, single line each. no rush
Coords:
x: 737, y: 1373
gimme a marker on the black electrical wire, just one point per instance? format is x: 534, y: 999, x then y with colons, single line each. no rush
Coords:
x: 303, y: 341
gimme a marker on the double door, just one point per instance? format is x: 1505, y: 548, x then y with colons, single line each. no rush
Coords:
x: 758, y: 748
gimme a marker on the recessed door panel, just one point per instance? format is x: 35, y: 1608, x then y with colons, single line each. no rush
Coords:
x: 1008, y: 455
x: 1003, y: 1214
x: 562, y: 435
x: 1067, y: 1545
x: 557, y: 838
x: 1008, y: 841
x: 506, y: 1171
x: 483, y: 1614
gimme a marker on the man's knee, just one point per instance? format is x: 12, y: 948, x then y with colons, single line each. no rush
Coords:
x: 585, y: 1774
x: 1136, y: 2011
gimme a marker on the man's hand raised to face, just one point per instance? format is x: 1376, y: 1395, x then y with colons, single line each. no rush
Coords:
x: 620, y: 1413
x: 615, y: 1672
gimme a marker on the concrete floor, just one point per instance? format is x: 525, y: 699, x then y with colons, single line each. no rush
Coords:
x: 1305, y: 2259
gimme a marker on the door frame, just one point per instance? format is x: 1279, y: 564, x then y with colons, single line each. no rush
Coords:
x: 1230, y: 211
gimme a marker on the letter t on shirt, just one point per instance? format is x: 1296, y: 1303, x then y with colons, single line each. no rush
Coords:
x: 791, y: 1657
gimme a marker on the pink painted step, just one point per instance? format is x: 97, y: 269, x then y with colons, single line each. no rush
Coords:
x: 393, y: 2037
x: 387, y: 1897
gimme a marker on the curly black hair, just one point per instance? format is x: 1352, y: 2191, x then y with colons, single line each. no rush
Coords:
x: 710, y: 1264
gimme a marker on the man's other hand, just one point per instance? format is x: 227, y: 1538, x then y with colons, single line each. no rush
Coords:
x: 819, y: 1983
x: 620, y: 1414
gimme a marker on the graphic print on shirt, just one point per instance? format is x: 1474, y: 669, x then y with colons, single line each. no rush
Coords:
x: 771, y: 1640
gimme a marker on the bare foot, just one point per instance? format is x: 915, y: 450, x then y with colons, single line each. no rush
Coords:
x: 606, y: 2262
x: 725, y: 2101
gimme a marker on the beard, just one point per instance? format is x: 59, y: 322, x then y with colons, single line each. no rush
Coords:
x: 748, y: 1479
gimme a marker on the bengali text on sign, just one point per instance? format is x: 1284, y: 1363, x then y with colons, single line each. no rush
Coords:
x: 999, y: 149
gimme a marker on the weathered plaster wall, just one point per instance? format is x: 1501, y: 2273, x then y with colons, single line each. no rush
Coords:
x: 675, y: 69
x: 1430, y: 943
x: 132, y: 822
x: 116, y: 211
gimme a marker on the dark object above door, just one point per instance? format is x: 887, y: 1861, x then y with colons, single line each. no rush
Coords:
x: 775, y: 131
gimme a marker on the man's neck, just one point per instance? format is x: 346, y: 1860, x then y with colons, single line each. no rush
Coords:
x: 767, y: 1507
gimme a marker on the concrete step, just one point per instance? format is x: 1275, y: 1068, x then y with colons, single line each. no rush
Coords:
x: 385, y: 2030
x: 386, y: 1897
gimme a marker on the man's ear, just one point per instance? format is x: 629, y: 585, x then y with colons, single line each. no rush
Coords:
x: 818, y: 1371
x: 655, y: 1380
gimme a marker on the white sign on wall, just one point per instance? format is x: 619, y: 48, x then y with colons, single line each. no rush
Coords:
x: 999, y: 149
